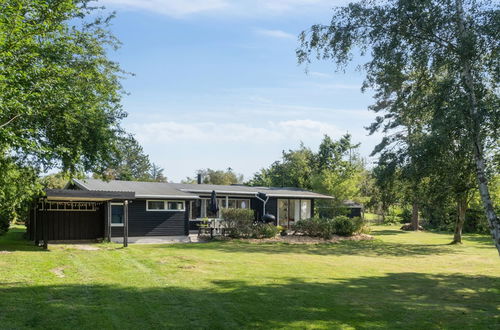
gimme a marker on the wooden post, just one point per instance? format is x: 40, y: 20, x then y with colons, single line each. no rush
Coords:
x: 45, y: 230
x: 108, y: 221
x: 35, y: 229
x: 125, y: 223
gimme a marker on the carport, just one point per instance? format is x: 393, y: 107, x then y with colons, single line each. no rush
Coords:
x: 75, y: 215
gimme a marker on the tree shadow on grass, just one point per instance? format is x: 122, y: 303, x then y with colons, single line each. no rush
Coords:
x: 482, y: 240
x: 14, y: 240
x: 367, y: 248
x: 386, y: 232
x: 399, y: 300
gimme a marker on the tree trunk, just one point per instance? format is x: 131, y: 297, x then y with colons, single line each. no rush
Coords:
x: 459, y: 225
x: 468, y: 80
x: 414, y: 216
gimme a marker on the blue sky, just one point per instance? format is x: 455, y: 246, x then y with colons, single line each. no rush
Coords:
x: 217, y: 84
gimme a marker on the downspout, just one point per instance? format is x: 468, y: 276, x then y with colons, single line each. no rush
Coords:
x: 264, y: 202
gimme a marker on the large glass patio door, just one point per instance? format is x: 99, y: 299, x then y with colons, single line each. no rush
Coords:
x: 292, y: 210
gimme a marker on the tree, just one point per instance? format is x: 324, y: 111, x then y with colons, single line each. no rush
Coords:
x: 18, y: 186
x: 450, y: 164
x: 294, y: 170
x: 130, y: 163
x: 338, y: 172
x: 451, y: 44
x: 59, y: 94
x: 219, y: 177
x: 156, y: 173
x: 335, y: 169
x: 55, y: 181
x: 388, y: 182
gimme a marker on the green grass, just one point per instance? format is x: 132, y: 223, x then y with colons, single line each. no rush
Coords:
x: 400, y: 280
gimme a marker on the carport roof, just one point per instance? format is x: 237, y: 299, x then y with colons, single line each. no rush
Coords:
x: 85, y: 195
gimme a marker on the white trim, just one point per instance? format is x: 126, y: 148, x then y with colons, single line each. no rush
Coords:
x: 220, y: 191
x: 167, y: 196
x: 299, y: 196
x: 165, y: 205
x: 80, y: 184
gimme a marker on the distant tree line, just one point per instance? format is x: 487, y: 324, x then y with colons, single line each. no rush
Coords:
x: 336, y: 169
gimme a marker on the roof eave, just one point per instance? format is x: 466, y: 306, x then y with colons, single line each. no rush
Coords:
x: 299, y: 196
x: 167, y: 196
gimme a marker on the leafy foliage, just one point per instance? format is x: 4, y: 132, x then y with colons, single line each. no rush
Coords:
x: 130, y: 163
x: 327, y: 227
x: 264, y: 230
x: 434, y: 69
x: 210, y: 176
x: 335, y: 170
x: 59, y: 95
x: 238, y: 221
x: 241, y: 224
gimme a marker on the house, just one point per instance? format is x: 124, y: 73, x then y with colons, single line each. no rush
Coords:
x: 92, y: 209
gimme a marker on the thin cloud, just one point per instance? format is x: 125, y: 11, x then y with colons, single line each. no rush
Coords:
x: 255, y: 8
x: 203, y: 132
x: 319, y: 74
x: 276, y: 34
x: 173, y: 8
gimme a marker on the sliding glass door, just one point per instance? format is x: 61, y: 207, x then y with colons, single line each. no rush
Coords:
x: 291, y: 210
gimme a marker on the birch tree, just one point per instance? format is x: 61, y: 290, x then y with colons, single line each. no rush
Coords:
x: 453, y: 44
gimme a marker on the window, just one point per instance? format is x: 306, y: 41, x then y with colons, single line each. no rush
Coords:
x: 156, y: 205
x: 177, y: 206
x: 117, y: 215
x: 290, y: 210
x: 282, y: 210
x: 305, y: 209
x: 242, y: 204
x: 201, y: 208
x: 165, y: 206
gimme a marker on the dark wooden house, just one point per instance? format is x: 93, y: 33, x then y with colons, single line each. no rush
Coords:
x: 93, y: 209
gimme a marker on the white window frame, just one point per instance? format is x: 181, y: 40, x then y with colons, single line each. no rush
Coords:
x: 116, y: 224
x: 165, y: 204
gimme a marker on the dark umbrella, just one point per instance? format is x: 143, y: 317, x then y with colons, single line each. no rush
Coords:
x: 214, y: 208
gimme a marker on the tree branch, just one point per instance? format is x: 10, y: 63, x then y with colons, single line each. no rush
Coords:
x: 9, y: 121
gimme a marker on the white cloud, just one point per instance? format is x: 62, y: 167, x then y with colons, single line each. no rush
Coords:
x: 174, y: 8
x: 319, y: 74
x: 203, y: 132
x: 182, y: 8
x: 276, y: 34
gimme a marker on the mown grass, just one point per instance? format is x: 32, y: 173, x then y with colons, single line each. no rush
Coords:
x: 400, y: 280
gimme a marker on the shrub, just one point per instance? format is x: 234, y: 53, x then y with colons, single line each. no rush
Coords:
x: 343, y: 226
x: 315, y: 227
x: 264, y: 230
x: 239, y: 222
x: 326, y: 228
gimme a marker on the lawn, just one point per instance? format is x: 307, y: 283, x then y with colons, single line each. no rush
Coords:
x: 400, y: 280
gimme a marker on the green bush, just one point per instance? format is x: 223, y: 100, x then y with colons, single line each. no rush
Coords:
x: 264, y: 230
x: 326, y: 228
x: 239, y: 222
x: 315, y: 227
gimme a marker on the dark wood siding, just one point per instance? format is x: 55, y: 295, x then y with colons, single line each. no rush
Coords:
x: 70, y: 225
x: 354, y: 212
x: 153, y: 223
